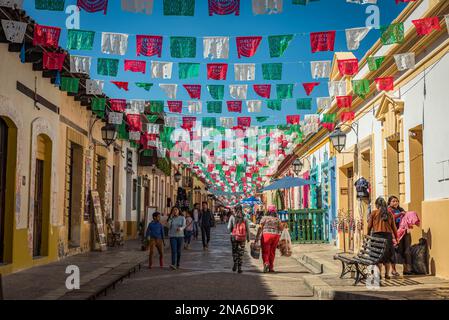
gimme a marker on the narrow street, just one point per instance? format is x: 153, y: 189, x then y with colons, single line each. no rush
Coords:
x: 208, y: 276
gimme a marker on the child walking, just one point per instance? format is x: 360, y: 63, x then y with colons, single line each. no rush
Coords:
x: 188, y: 230
x: 155, y: 232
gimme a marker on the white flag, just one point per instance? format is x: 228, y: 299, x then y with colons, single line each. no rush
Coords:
x: 152, y: 128
x: 171, y: 121
x: 134, y: 135
x: 321, y: 69
x: 79, y: 64
x: 11, y: 3
x: 216, y: 47
x: 227, y: 122
x: 254, y: 105
x: 136, y: 107
x: 161, y: 70
x: 323, y: 103
x: 194, y: 106
x: 115, y: 118
x: 337, y: 88
x: 169, y: 89
x: 355, y: 36
x: 362, y: 1
x: 114, y: 43
x: 138, y: 6
x: 239, y: 92
x: 94, y: 87
x: 14, y: 30
x: 267, y: 6
x: 245, y: 71
x: 446, y: 17
x: 311, y: 124
x: 405, y: 61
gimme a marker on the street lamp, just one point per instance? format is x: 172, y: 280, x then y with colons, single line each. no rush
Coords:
x: 109, y: 134
x: 297, y: 166
x: 338, y: 139
x: 178, y: 176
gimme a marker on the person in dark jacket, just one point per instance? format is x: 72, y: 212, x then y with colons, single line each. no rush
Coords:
x: 207, y: 221
x: 155, y: 232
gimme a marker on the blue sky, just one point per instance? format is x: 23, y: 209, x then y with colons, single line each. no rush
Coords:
x: 317, y: 16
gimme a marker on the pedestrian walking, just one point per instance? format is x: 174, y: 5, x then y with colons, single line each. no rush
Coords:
x: 176, y: 226
x: 382, y: 225
x: 155, y: 232
x: 269, y: 234
x: 207, y: 221
x: 188, y: 230
x: 238, y: 226
x: 196, y: 220
x: 402, y: 254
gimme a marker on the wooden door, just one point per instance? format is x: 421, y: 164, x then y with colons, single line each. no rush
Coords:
x: 3, y: 156
x: 38, y: 208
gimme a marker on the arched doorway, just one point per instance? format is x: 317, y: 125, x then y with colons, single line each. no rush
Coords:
x: 42, y: 181
x: 3, y: 157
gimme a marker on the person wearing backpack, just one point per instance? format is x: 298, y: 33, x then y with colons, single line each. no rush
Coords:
x: 238, y: 226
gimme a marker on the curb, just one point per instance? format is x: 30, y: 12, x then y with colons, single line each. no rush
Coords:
x: 314, y: 266
x: 103, y: 283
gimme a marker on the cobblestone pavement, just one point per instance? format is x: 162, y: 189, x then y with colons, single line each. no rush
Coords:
x: 207, y: 275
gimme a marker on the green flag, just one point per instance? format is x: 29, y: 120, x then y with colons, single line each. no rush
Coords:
x: 272, y: 71
x: 107, y: 67
x: 183, y: 47
x: 122, y: 133
x: 209, y: 122
x: 80, y: 39
x: 147, y: 153
x: 261, y: 119
x: 278, y: 44
x: 188, y: 70
x: 394, y: 33
x: 361, y: 87
x: 274, y: 104
x: 329, y: 118
x: 152, y: 119
x: 98, y: 106
x: 70, y: 84
x: 284, y: 91
x: 156, y: 106
x: 374, y: 63
x: 53, y: 5
x: 143, y: 85
x: 216, y: 91
x: 304, y: 104
x: 179, y: 7
x: 214, y: 106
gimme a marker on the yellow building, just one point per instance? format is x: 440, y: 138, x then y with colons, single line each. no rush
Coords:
x: 400, y: 145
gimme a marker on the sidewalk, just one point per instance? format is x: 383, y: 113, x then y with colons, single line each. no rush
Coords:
x: 326, y: 282
x: 98, y: 271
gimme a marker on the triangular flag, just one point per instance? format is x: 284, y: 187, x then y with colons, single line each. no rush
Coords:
x: 194, y: 90
x: 121, y: 85
x: 263, y: 90
x: 308, y: 87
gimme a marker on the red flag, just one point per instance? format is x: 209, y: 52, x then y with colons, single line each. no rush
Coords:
x: 344, y: 101
x: 385, y: 84
x: 134, y: 122
x: 210, y: 167
x: 234, y: 106
x: 398, y: 1
x: 121, y: 85
x: 135, y: 66
x: 93, y: 5
x: 427, y: 25
x: 188, y: 122
x: 308, y: 87
x: 348, y: 67
x: 247, y: 46
x: 347, y: 116
x: 224, y: 7
x: 263, y: 90
x: 322, y: 41
x: 149, y: 45
x: 244, y: 122
x: 217, y: 71
x: 328, y: 126
x: 293, y: 119
x: 118, y: 105
x: 53, y: 60
x: 175, y: 106
x: 46, y: 36
x: 144, y: 139
x: 194, y: 90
